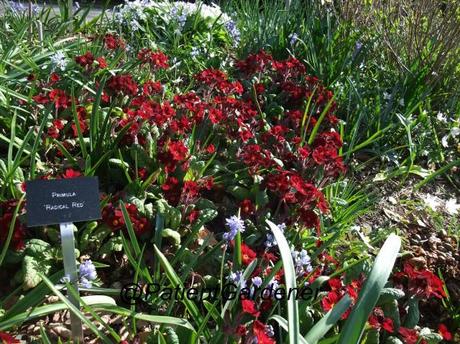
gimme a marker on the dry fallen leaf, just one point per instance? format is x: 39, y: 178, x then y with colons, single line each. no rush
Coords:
x: 203, y: 234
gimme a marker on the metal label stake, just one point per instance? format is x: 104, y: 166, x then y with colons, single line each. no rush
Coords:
x: 70, y: 269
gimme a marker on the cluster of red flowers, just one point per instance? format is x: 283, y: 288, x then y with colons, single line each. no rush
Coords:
x: 420, y: 282
x: 378, y: 320
x: 87, y: 60
x: 113, y: 42
x: 156, y: 60
x: 266, y: 126
x: 113, y: 216
x: 412, y: 336
x: 122, y: 84
x: 338, y: 290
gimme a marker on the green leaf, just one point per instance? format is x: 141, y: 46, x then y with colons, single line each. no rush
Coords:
x: 31, y: 268
x: 171, y: 336
x: 383, y: 265
x: 37, y: 248
x: 114, y: 244
x: 169, y: 233
x: 393, y: 340
x: 290, y: 281
x: 413, y: 313
x: 390, y: 294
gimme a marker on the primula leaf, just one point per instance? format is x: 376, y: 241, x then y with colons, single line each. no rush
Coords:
x: 169, y: 233
x: 390, y: 294
x: 31, y: 267
x: 114, y: 244
x: 413, y: 313
x: 393, y: 340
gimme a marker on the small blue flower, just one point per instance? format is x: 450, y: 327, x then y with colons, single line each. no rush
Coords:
x: 257, y: 281
x: 269, y: 330
x: 87, y: 273
x: 237, y: 278
x: 302, y: 262
x: 234, y: 224
x: 293, y: 37
x: 233, y: 31
x: 270, y: 242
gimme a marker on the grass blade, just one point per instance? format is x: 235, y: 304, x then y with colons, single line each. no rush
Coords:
x: 383, y: 265
x: 290, y: 280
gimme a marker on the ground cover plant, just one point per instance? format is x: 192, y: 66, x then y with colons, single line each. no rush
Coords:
x: 267, y: 173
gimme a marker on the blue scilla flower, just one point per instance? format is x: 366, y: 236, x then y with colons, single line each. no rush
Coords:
x: 302, y: 262
x: 87, y: 273
x: 293, y: 37
x: 257, y: 281
x: 270, y: 242
x: 234, y: 224
x: 233, y: 31
x: 237, y: 278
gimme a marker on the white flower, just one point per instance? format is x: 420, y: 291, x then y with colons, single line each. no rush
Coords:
x: 444, y: 142
x: 455, y: 131
x: 59, y: 60
x: 432, y: 201
x: 452, y: 207
x: 441, y: 117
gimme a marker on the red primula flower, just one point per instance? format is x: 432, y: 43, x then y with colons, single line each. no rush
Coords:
x: 241, y: 330
x: 190, y: 189
x: 150, y: 88
x: 387, y: 325
x: 378, y: 320
x: 210, y: 149
x: 41, y: 99
x: 193, y: 216
x: 156, y: 60
x: 113, y: 217
x: 247, y: 208
x: 70, y: 173
x: 310, y: 219
x: 60, y: 99
x: 446, y: 335
x: 410, y: 336
x: 85, y: 60
x: 6, y: 338
x: 423, y: 282
x: 110, y: 42
x: 123, y: 83
x: 330, y: 300
x: 102, y: 62
x: 54, y: 78
x: 249, y: 307
x: 260, y: 331
x: 54, y: 130
x: 247, y: 254
x: 178, y: 150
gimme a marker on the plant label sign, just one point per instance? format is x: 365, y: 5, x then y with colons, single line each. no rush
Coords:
x: 57, y: 201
